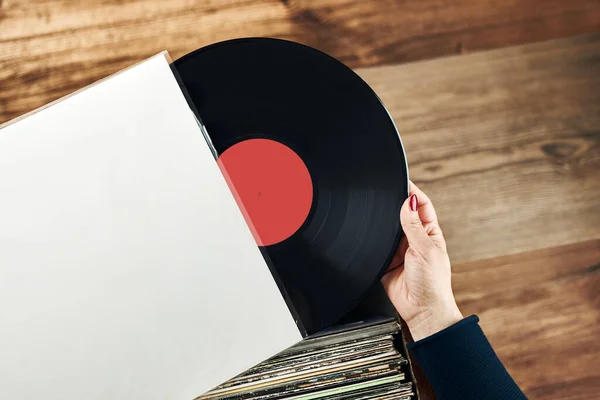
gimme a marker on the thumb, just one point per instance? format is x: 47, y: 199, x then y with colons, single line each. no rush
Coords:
x: 417, y: 236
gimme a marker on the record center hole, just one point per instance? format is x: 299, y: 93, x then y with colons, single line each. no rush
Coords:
x: 271, y: 185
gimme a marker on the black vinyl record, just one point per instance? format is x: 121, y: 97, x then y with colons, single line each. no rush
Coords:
x: 285, y: 92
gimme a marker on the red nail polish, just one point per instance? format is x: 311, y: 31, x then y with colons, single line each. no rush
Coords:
x: 413, y: 203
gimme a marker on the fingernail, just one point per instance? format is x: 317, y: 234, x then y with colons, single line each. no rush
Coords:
x: 413, y: 203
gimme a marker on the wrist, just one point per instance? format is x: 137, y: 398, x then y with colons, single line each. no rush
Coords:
x: 433, y: 320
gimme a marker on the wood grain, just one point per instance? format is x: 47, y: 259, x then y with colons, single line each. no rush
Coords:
x: 49, y: 48
x: 506, y: 143
x: 541, y: 312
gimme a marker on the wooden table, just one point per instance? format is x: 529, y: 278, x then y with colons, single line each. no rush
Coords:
x: 505, y: 141
x: 507, y: 144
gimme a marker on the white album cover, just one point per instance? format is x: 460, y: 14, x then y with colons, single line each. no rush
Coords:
x: 126, y: 268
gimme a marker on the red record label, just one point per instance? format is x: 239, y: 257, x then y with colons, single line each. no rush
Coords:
x: 271, y: 185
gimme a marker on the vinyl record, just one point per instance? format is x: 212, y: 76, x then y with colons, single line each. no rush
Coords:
x: 315, y: 160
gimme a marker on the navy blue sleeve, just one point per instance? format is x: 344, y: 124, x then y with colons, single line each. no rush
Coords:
x: 461, y: 364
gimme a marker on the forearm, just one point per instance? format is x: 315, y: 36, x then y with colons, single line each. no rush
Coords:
x: 461, y: 364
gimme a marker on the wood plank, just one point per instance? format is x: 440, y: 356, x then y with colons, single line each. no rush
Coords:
x: 541, y: 312
x: 506, y: 143
x: 49, y: 48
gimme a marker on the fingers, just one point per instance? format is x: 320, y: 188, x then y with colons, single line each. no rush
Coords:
x: 428, y: 216
x: 426, y: 210
x: 417, y: 236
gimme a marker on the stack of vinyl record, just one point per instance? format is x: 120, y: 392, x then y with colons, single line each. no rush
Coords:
x: 357, y: 365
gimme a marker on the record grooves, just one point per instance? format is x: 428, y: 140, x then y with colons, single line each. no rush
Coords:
x: 345, y: 229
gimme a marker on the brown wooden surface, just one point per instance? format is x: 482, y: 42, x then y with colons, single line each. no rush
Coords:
x: 49, y: 48
x: 541, y: 312
x: 506, y: 143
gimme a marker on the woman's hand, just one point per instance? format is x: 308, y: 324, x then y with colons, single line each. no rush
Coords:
x: 418, y: 281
